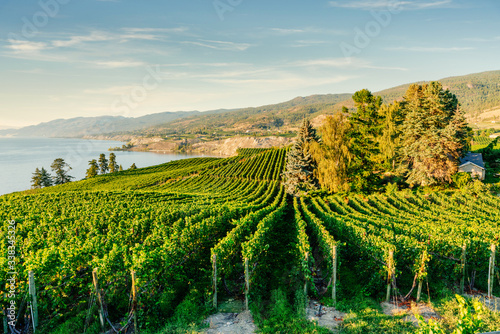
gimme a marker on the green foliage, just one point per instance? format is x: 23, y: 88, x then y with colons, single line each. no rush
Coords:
x: 299, y: 171
x: 434, y: 135
x: 103, y: 164
x: 430, y: 327
x: 113, y: 166
x: 372, y: 321
x: 36, y: 179
x: 281, y: 317
x: 93, y: 170
x: 461, y: 180
x: 61, y: 169
x: 391, y: 188
x: 467, y: 318
x: 333, y: 155
x: 366, y: 125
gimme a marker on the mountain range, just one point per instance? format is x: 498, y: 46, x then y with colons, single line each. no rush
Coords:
x: 478, y: 93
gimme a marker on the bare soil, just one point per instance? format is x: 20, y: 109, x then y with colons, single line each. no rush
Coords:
x: 230, y: 323
x: 408, y: 310
x: 329, y: 317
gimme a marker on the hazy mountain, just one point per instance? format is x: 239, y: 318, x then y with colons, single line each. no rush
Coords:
x: 85, y: 126
x: 476, y: 93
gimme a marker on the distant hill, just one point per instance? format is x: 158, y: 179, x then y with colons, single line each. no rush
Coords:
x: 88, y: 126
x: 478, y: 93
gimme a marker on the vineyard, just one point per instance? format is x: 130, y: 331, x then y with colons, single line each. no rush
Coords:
x: 207, y: 229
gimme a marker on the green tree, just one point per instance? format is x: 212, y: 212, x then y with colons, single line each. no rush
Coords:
x: 103, y: 164
x: 45, y: 178
x: 61, y: 169
x: 113, y: 166
x: 366, y: 126
x: 434, y: 135
x: 120, y: 169
x: 300, y: 166
x: 36, y: 179
x: 133, y: 166
x: 93, y: 169
x: 332, y: 154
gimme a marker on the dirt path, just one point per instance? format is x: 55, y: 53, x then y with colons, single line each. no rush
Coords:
x: 329, y: 317
x: 230, y: 323
x: 409, y: 310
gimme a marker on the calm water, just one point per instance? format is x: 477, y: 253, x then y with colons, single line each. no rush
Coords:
x: 19, y: 157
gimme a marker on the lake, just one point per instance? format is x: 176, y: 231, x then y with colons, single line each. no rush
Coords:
x: 19, y: 157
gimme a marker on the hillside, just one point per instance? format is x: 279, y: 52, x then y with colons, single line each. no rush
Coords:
x: 478, y: 93
x: 207, y: 234
x: 88, y: 126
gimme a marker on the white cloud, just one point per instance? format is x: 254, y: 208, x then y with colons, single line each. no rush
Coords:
x: 26, y: 46
x: 151, y: 30
x: 308, y: 43
x: 429, y: 49
x: 120, y: 64
x: 288, y: 31
x: 306, y: 30
x: 95, y: 36
x: 389, y: 4
x: 220, y: 45
x: 350, y: 63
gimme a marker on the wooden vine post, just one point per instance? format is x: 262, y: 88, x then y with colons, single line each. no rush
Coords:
x: 462, y: 281
x: 34, y: 305
x: 247, y: 283
x: 491, y: 271
x: 134, y: 300
x: 214, y: 277
x: 421, y: 272
x: 389, y: 275
x: 334, y: 274
x: 305, y: 275
x: 99, y: 300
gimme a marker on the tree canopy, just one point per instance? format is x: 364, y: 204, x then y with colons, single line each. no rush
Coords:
x: 299, y: 171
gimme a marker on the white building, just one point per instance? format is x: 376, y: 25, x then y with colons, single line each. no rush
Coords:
x: 473, y: 164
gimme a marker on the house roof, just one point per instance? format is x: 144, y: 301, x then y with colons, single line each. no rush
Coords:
x: 475, y: 158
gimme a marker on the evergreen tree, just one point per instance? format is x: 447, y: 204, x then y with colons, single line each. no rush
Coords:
x: 45, y: 178
x: 113, y: 166
x: 93, y: 170
x: 120, y: 169
x: 103, y: 164
x: 36, y: 179
x: 434, y: 135
x: 133, y: 166
x: 61, y: 169
x: 366, y: 128
x: 299, y: 170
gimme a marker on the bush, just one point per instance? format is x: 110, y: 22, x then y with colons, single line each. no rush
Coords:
x: 391, y: 188
x: 461, y: 179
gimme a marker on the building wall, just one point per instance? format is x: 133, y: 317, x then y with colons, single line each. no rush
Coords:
x: 474, y: 171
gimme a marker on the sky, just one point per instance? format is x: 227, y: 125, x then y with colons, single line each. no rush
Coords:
x: 73, y: 58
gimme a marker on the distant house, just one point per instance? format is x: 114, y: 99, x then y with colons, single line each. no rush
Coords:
x: 473, y: 164
x: 493, y: 136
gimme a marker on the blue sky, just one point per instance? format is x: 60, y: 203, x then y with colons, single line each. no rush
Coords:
x: 71, y: 58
